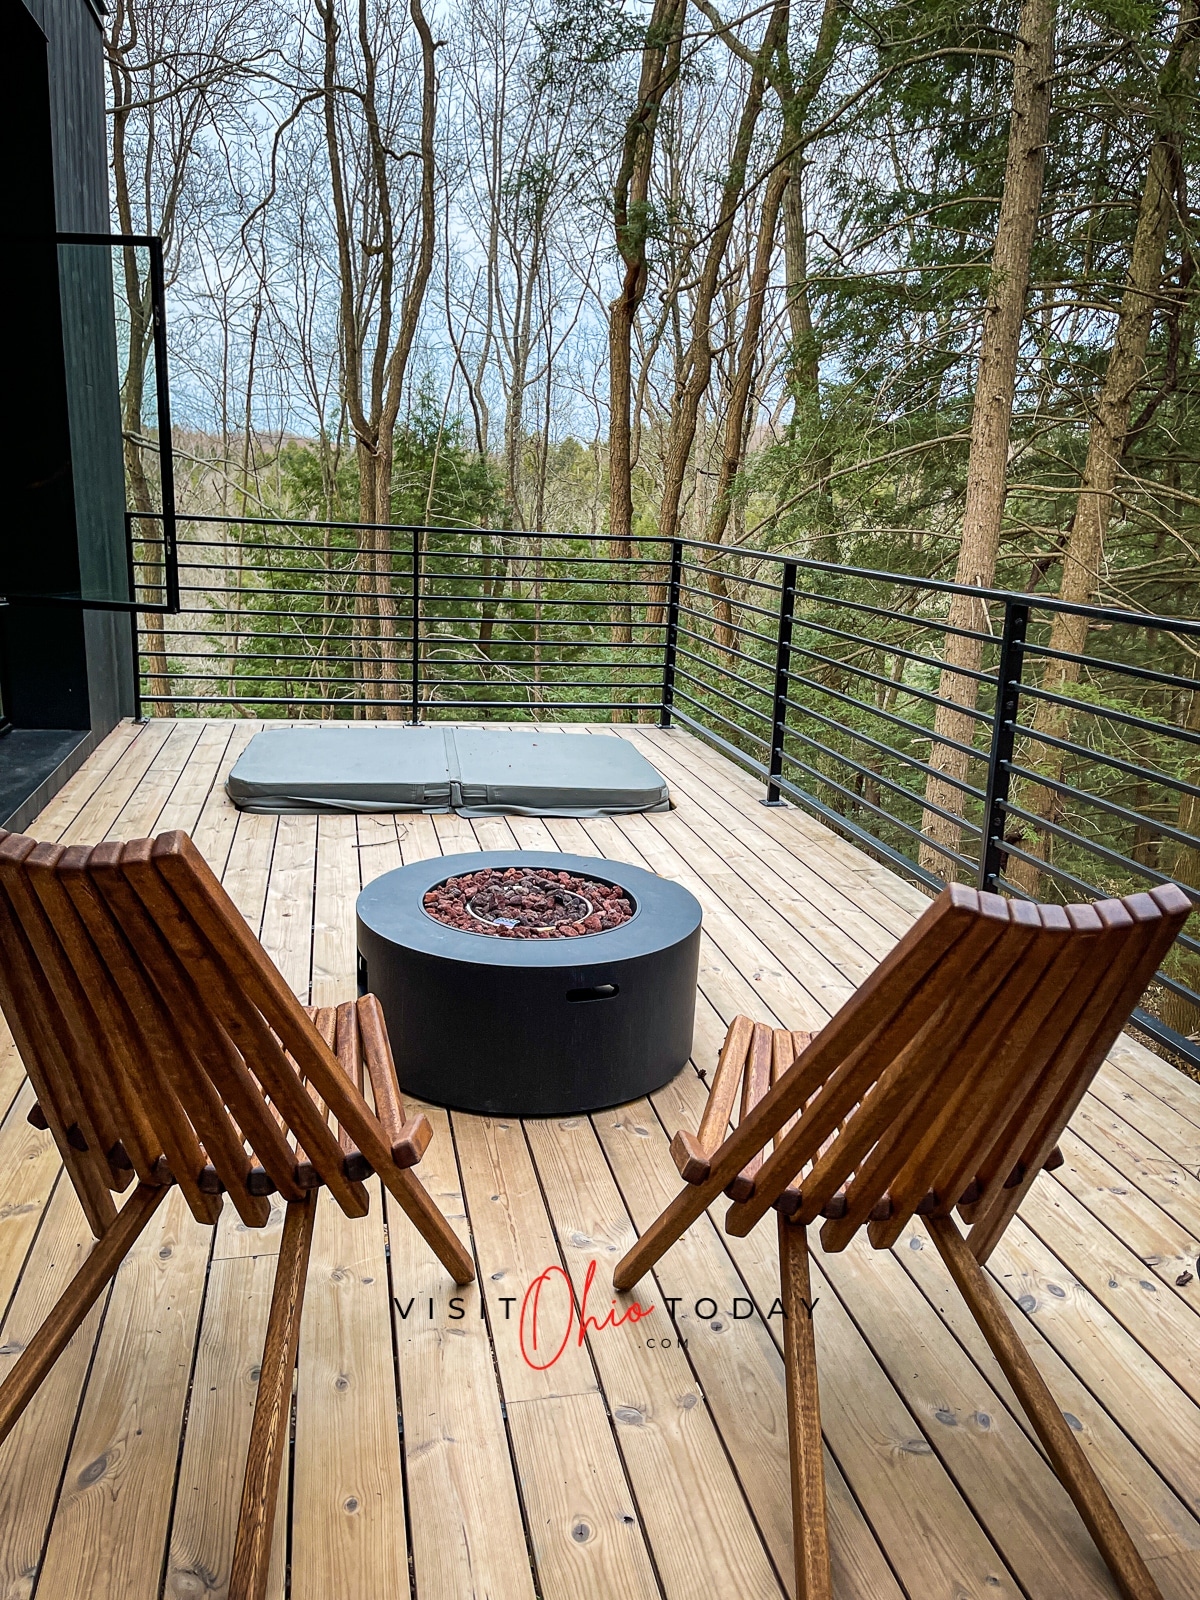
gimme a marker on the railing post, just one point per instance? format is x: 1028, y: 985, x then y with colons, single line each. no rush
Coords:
x: 668, y: 679
x: 783, y: 663
x: 416, y: 628
x: 134, y: 640
x: 1008, y: 695
x: 166, y: 454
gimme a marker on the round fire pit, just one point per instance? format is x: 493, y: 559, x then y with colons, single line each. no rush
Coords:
x: 522, y: 983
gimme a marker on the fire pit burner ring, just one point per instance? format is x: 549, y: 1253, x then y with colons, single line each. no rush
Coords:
x: 574, y: 909
x: 525, y: 983
x: 528, y: 903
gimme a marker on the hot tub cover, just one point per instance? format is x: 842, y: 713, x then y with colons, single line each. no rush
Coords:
x: 474, y: 771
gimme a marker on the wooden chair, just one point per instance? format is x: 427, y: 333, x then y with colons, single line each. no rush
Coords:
x: 164, y: 1047
x: 943, y: 1084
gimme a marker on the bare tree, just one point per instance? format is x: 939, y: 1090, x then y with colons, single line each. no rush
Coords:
x: 178, y: 73
x: 632, y: 217
x: 384, y: 231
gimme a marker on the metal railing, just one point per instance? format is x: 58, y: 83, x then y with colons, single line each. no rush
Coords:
x: 1068, y: 774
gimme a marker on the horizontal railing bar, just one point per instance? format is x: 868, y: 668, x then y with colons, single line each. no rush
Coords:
x: 382, y: 594
x: 1138, y: 818
x: 403, y: 580
x: 736, y: 726
x: 430, y: 634
x: 900, y: 616
x: 275, y: 677
x: 1105, y: 759
x: 890, y: 716
x: 406, y: 616
x: 725, y: 672
x: 1114, y: 858
x: 406, y: 638
x: 891, y: 683
x: 427, y: 576
x: 888, y: 749
x: 248, y: 614
x: 1170, y: 680
x: 876, y: 777
x: 895, y: 650
x: 742, y: 605
x: 709, y: 688
x: 1162, y: 1033
x: 402, y: 702
x: 731, y: 626
x: 1184, y: 734
x: 731, y: 577
x: 482, y: 661
x: 411, y: 527
x: 343, y: 551
x: 534, y: 683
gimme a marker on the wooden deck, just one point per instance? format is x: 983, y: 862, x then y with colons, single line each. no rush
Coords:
x: 429, y: 1458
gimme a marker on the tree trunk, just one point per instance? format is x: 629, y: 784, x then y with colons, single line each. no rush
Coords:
x: 796, y: 101
x: 1084, y: 548
x: 660, y: 66
x: 696, y: 367
x: 991, y: 419
x: 373, y: 391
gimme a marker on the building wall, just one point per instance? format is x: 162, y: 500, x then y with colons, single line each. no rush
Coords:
x: 64, y: 668
x: 81, y: 195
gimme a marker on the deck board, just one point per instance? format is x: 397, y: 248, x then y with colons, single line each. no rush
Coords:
x: 429, y: 1458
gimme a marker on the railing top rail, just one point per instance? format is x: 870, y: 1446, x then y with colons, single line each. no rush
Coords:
x: 1189, y: 626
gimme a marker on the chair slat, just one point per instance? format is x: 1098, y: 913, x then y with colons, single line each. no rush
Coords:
x: 917, y: 1160
x: 152, y: 1043
x: 1158, y: 916
x: 785, y: 1047
x: 33, y: 1037
x: 756, y: 1080
x: 224, y: 1062
x: 62, y: 996
x: 260, y: 983
x: 878, y: 1050
x: 181, y: 1007
x: 108, y: 1016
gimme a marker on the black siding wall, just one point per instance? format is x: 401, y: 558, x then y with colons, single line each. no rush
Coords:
x: 63, y: 668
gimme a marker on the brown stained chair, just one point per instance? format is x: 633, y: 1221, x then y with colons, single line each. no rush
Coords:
x: 944, y: 1083
x: 164, y: 1047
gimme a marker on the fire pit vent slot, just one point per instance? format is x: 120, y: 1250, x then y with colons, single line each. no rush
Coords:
x: 598, y: 991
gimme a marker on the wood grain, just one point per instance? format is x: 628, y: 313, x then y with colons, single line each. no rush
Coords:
x: 792, y: 916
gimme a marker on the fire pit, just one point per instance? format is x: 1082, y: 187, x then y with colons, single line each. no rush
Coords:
x: 529, y: 984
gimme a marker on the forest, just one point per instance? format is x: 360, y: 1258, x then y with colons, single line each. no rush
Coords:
x: 476, y: 307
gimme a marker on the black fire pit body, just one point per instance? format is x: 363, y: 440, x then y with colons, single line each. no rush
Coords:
x: 533, y: 1027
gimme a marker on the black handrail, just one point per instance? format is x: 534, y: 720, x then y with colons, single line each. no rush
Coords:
x: 830, y: 699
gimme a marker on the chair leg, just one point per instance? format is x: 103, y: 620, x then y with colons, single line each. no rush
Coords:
x: 1066, y: 1454
x: 411, y: 1195
x: 810, y: 1523
x: 77, y: 1299
x: 271, y: 1428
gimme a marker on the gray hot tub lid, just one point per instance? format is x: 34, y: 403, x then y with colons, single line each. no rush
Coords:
x: 475, y: 771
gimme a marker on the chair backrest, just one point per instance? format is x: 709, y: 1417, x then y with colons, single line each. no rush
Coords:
x: 948, y: 1078
x: 162, y: 1041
